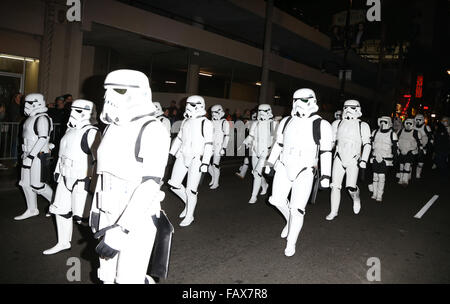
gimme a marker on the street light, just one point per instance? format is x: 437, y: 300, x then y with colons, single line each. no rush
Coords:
x: 448, y: 72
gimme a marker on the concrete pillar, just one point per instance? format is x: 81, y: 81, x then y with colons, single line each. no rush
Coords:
x: 61, y: 51
x: 263, y: 95
x: 192, y: 78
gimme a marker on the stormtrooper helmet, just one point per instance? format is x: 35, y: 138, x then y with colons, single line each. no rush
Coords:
x: 304, y: 103
x: 352, y: 109
x: 128, y: 95
x: 159, y: 111
x: 195, y: 107
x: 34, y: 104
x: 83, y: 113
x: 409, y: 124
x: 338, y: 115
x: 264, y: 112
x: 217, y: 112
x: 444, y: 121
x: 385, y: 123
x: 419, y: 120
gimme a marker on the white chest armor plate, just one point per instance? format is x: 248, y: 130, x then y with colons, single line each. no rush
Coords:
x: 382, y: 145
x: 116, y: 153
x: 74, y: 162
x: 407, y: 142
x: 218, y: 133
x: 349, y: 140
x: 193, y: 142
x: 263, y: 137
x: 30, y: 137
x: 299, y: 148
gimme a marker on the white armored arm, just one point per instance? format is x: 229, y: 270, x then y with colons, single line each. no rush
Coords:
x: 208, y: 134
x: 365, y: 140
x: 176, y: 143
x: 226, y: 132
x: 43, y: 132
x: 326, y: 144
x: 334, y: 127
x: 278, y: 145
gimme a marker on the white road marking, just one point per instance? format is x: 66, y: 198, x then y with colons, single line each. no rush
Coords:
x: 426, y: 207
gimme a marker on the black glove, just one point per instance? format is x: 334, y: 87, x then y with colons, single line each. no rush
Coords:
x: 94, y: 221
x: 56, y: 176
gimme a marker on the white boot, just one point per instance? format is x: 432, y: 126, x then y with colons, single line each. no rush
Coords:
x: 190, y: 206
x: 31, y: 200
x: 216, y: 175
x: 181, y: 193
x: 211, y: 172
x: 284, y: 210
x: 264, y: 186
x: 243, y: 169
x: 381, y: 182
x: 419, y: 171
x: 335, y: 201
x: 252, y: 200
x: 356, y: 200
x: 64, y: 227
x: 295, y: 226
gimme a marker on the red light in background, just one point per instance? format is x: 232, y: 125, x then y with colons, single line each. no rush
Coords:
x: 425, y: 107
x: 407, y: 96
x: 419, y: 85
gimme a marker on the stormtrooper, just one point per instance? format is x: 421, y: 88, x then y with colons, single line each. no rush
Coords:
x: 349, y: 135
x: 301, y: 139
x: 36, y: 148
x: 426, y: 135
x: 409, y: 144
x: 244, y: 167
x: 126, y: 211
x: 74, y: 170
x: 192, y: 148
x: 221, y: 138
x: 260, y: 139
x: 384, y: 149
x: 159, y: 114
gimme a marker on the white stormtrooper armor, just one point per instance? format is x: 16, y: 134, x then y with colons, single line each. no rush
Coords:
x: 36, y: 153
x: 74, y: 171
x: 131, y: 160
x: 426, y: 135
x: 409, y: 144
x: 244, y: 167
x: 160, y: 115
x: 301, y: 139
x: 221, y: 138
x: 349, y: 135
x: 260, y: 139
x: 193, y: 148
x: 384, y: 148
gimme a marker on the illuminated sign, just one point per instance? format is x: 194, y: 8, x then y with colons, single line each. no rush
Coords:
x: 419, y: 85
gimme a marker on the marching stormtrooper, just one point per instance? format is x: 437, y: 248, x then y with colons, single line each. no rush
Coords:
x: 349, y: 135
x: 244, y: 167
x: 221, y: 138
x: 74, y: 171
x: 192, y: 148
x: 126, y: 211
x: 301, y: 139
x: 36, y: 153
x: 260, y: 139
x: 409, y: 144
x: 384, y: 149
x: 426, y: 135
x: 159, y: 114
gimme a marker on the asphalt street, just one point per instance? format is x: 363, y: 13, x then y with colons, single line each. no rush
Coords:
x: 231, y: 241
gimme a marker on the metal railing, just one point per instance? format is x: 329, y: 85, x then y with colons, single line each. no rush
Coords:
x: 11, y: 138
